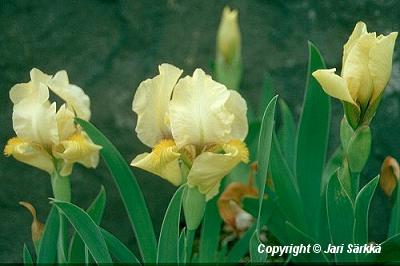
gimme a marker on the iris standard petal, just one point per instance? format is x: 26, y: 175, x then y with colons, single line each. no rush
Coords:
x: 334, y: 85
x: 35, y: 122
x: 162, y: 161
x: 29, y: 153
x: 356, y: 72
x: 73, y: 95
x: 35, y: 88
x: 380, y: 63
x: 358, y: 31
x: 151, y: 105
x: 238, y: 107
x: 65, y: 122
x: 198, y: 112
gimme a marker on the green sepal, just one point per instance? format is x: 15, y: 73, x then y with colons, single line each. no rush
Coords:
x: 352, y: 114
x: 359, y: 149
x: 229, y: 73
x: 345, y: 177
x: 371, y: 110
x: 194, y: 204
x: 346, y: 132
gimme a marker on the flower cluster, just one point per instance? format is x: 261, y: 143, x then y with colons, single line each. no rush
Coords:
x: 48, y: 138
x: 192, y: 123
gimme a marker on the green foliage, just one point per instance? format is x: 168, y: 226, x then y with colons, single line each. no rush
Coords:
x: 210, y: 233
x: 312, y: 142
x: 287, y: 134
x: 256, y: 257
x: 48, y: 244
x: 298, y: 237
x: 359, y: 148
x: 182, y: 246
x: 168, y: 244
x: 263, y: 157
x: 130, y: 192
x: 285, y: 187
x: 26, y: 255
x: 95, y: 211
x: 241, y: 247
x: 394, y: 225
x: 362, y: 204
x: 87, y: 230
x: 340, y: 216
x: 117, y: 249
x: 389, y: 253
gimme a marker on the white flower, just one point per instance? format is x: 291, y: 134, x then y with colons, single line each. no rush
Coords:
x: 193, y: 120
x: 47, y: 138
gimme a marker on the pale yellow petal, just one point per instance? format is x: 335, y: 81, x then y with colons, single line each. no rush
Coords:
x: 380, y: 63
x: 356, y: 72
x: 198, y: 112
x: 65, y: 122
x: 334, y: 85
x: 209, y: 168
x: 29, y: 153
x: 78, y: 148
x: 35, y: 88
x: 238, y: 107
x: 162, y: 161
x: 35, y: 122
x: 151, y: 105
x: 73, y: 95
x: 358, y: 31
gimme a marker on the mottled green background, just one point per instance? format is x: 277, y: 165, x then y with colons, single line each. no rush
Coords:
x: 108, y: 47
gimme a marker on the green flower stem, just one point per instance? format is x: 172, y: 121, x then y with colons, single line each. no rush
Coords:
x: 229, y: 74
x: 356, y: 145
x: 61, y: 191
x: 61, y: 187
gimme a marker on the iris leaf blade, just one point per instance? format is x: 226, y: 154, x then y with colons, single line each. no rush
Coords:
x: 87, y: 230
x: 95, y: 211
x: 312, y: 141
x: 130, y: 192
x: 168, y: 244
x: 47, y: 252
x: 210, y: 233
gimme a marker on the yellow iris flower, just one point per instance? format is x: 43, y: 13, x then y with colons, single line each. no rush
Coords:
x: 366, y: 70
x: 46, y: 138
x: 192, y: 121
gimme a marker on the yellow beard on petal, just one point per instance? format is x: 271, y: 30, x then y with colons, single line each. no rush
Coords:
x: 11, y: 144
x: 240, y: 146
x: 164, y: 151
x: 30, y: 153
x: 162, y: 161
x: 77, y: 148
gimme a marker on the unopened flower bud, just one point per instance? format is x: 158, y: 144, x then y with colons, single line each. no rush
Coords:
x: 228, y: 36
x: 390, y: 175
